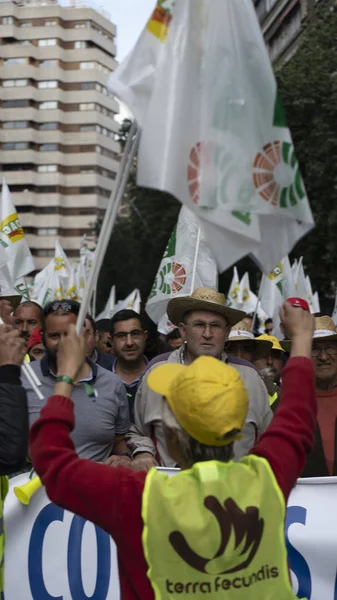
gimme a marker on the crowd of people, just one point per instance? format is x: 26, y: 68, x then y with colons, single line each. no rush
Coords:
x: 235, y: 411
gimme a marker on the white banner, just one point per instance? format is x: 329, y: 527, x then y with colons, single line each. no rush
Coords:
x: 53, y: 554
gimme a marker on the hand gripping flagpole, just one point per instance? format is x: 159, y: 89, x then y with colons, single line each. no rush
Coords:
x: 109, y: 219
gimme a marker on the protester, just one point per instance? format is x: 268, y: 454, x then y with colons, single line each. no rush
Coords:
x: 268, y: 326
x: 270, y: 368
x: 35, y: 347
x: 275, y: 358
x: 128, y: 345
x: 248, y: 320
x: 27, y: 317
x: 103, y: 359
x: 13, y: 415
x: 242, y: 343
x: 166, y: 529
x: 204, y: 321
x: 103, y: 343
x: 155, y: 344
x: 322, y: 462
x: 102, y: 414
x: 174, y: 339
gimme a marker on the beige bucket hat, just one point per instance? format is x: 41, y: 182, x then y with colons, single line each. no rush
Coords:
x: 203, y: 299
x: 325, y: 329
x: 241, y: 333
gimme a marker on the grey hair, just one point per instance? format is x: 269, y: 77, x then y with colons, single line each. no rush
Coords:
x: 192, y: 450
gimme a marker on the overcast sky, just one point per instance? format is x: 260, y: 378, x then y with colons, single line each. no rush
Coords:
x: 130, y: 17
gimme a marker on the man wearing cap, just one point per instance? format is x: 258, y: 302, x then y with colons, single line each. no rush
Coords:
x: 322, y: 462
x: 216, y: 529
x: 270, y: 367
x: 242, y: 344
x: 204, y: 321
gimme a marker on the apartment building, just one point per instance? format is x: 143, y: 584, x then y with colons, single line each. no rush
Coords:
x: 282, y: 22
x: 58, y: 152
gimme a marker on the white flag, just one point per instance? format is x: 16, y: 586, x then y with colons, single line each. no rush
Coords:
x: 272, y: 292
x: 81, y: 277
x: 289, y: 289
x: 223, y: 148
x: 316, y: 308
x: 61, y: 262
x: 71, y: 290
x: 249, y: 300
x: 300, y: 283
x: 108, y: 311
x: 186, y: 265
x: 12, y: 238
x: 234, y: 293
x: 131, y: 302
x: 310, y: 295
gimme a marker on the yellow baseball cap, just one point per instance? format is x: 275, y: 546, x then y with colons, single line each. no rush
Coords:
x: 208, y: 398
x: 274, y: 340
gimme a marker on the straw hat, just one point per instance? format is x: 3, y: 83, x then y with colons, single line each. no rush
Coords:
x: 241, y: 333
x: 325, y: 329
x: 203, y: 299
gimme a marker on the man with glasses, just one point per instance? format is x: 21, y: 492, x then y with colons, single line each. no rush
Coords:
x: 101, y: 405
x: 128, y: 345
x: 204, y: 322
x: 322, y: 462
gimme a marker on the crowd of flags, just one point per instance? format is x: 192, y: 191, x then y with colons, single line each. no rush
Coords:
x: 220, y: 145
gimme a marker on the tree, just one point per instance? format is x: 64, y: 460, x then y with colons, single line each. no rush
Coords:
x: 308, y: 88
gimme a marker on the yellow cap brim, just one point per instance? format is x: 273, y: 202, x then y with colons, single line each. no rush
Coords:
x: 160, y: 379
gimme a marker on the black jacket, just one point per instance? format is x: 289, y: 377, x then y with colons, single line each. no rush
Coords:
x: 13, y: 421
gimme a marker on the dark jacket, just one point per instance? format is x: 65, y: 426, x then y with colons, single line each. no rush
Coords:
x: 13, y: 420
x: 105, y: 360
x: 316, y: 464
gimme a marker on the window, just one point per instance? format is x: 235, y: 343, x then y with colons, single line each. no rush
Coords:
x: 81, y: 45
x: 45, y: 126
x: 15, y: 61
x: 87, y: 65
x: 87, y: 86
x: 47, y: 231
x: 88, y: 170
x: 45, y: 252
x: 80, y: 25
x: 87, y: 106
x: 48, y: 105
x: 15, y: 146
x: 15, y: 124
x: 48, y: 63
x: 7, y: 20
x: 15, y: 104
x: 15, y: 83
x: 50, y: 42
x: 47, y: 169
x: 26, y: 24
x: 50, y: 23
x: 47, y: 84
x: 48, y: 147
x: 88, y: 128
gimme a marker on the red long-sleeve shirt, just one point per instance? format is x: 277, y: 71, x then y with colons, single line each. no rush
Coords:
x: 112, y: 497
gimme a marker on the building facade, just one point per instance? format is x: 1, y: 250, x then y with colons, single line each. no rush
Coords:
x: 282, y: 22
x: 58, y: 152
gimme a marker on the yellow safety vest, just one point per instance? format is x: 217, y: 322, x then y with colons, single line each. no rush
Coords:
x: 3, y: 493
x: 216, y: 531
x: 272, y: 398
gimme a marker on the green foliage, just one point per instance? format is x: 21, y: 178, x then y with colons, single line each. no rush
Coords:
x: 308, y: 88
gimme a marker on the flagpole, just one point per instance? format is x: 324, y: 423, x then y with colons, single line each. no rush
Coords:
x: 109, y: 219
x: 194, y: 272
